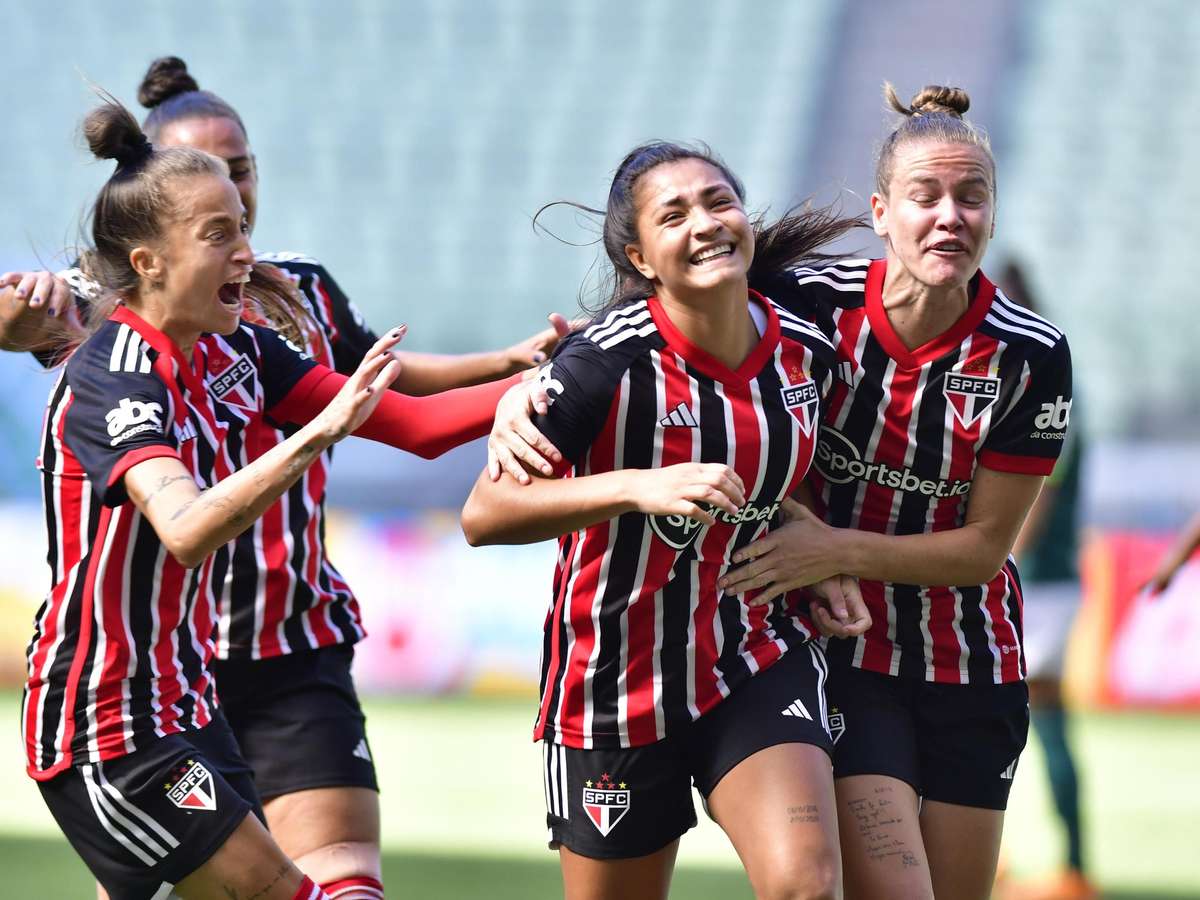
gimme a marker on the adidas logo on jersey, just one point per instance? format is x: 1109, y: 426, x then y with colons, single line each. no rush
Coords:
x: 796, y: 710
x: 361, y: 750
x: 680, y: 416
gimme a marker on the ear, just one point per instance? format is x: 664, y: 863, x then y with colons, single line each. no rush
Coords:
x: 639, y: 261
x: 147, y: 263
x: 879, y: 210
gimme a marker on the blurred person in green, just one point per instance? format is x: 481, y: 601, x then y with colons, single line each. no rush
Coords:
x: 1047, y: 551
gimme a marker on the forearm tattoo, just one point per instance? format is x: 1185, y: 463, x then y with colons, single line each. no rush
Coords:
x: 162, y: 484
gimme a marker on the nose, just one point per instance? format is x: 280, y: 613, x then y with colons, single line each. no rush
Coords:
x: 704, y: 222
x: 242, y: 253
x: 949, y: 214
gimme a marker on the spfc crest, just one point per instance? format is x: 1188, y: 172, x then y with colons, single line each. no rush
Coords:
x: 605, y: 802
x: 194, y: 790
x: 678, y: 531
x: 970, y: 396
x: 805, y: 403
x: 231, y: 380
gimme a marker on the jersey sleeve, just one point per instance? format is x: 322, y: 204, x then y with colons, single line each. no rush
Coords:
x: 115, y: 421
x: 1029, y: 435
x: 281, y: 363
x: 580, y: 381
x: 352, y: 337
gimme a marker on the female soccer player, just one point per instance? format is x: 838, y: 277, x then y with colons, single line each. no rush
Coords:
x: 145, y: 484
x: 685, y: 413
x: 951, y: 405
x: 287, y: 620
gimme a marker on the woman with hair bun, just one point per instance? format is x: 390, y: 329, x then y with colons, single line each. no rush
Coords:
x: 147, y: 478
x: 287, y: 620
x: 950, y: 407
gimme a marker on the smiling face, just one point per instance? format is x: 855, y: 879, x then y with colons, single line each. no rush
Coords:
x: 938, y: 214
x: 222, y: 137
x: 201, y: 261
x: 693, y: 234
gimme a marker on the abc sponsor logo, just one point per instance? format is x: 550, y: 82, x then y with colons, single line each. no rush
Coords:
x: 130, y: 417
x: 1052, y: 420
x: 680, y: 531
x: 839, y: 462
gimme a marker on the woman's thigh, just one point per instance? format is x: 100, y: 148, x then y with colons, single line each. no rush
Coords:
x: 883, y: 851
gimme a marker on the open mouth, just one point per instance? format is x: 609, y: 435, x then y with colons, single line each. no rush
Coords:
x: 711, y: 254
x: 230, y: 293
x: 949, y: 247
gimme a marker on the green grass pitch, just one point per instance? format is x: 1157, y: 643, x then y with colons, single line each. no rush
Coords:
x: 463, y: 813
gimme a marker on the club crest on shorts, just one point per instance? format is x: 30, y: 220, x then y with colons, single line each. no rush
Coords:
x: 804, y: 401
x: 605, y: 802
x: 837, y: 724
x: 970, y: 396
x: 194, y: 791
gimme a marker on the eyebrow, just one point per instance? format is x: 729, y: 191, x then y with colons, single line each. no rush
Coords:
x: 930, y: 179
x: 715, y: 188
x: 218, y: 218
x: 237, y: 159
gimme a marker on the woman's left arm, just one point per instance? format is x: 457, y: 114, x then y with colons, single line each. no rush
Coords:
x: 806, y: 550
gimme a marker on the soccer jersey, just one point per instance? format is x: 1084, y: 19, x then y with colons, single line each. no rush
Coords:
x: 280, y: 592
x: 120, y: 652
x: 902, y: 437
x: 638, y: 638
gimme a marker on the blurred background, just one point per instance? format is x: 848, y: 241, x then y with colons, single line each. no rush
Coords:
x: 407, y: 146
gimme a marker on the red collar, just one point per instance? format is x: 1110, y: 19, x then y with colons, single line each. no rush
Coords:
x: 939, y: 346
x: 705, y: 361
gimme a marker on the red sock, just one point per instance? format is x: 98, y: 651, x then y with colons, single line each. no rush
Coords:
x: 309, y: 891
x: 359, y: 887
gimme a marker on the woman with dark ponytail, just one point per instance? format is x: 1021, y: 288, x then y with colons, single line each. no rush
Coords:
x: 685, y: 412
x: 150, y: 471
x: 287, y: 620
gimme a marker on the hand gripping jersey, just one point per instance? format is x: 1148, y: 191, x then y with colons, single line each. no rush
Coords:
x: 121, y: 645
x: 638, y: 638
x: 902, y: 437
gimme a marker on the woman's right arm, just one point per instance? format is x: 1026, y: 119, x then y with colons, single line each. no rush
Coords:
x: 507, y: 512
x: 192, y: 523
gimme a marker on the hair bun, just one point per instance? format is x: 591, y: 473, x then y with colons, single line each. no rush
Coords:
x: 167, y: 77
x: 112, y: 132
x: 931, y: 99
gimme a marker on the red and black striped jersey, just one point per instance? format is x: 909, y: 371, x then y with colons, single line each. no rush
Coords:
x: 281, y: 592
x: 120, y: 651
x: 902, y: 436
x: 638, y: 638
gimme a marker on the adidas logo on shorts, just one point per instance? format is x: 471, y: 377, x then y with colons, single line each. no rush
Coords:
x: 361, y: 751
x: 796, y: 709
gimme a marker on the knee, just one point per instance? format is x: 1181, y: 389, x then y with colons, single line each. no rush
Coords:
x: 340, y: 860
x: 814, y: 880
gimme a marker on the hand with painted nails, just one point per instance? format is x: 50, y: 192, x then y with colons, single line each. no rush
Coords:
x: 515, y: 446
x: 536, y: 349
x: 364, y: 389
x: 35, y: 309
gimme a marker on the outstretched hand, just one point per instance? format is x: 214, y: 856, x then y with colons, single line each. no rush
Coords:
x: 536, y: 349
x: 515, y: 443
x: 795, y: 555
x: 363, y: 390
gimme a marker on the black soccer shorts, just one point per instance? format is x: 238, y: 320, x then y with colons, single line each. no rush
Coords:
x: 298, y: 720
x: 625, y: 803
x: 954, y: 743
x: 144, y: 822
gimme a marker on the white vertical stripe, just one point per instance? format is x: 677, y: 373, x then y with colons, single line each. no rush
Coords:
x: 118, y: 348
x: 163, y: 892
x: 563, y: 784
x: 818, y: 659
x: 132, y: 348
